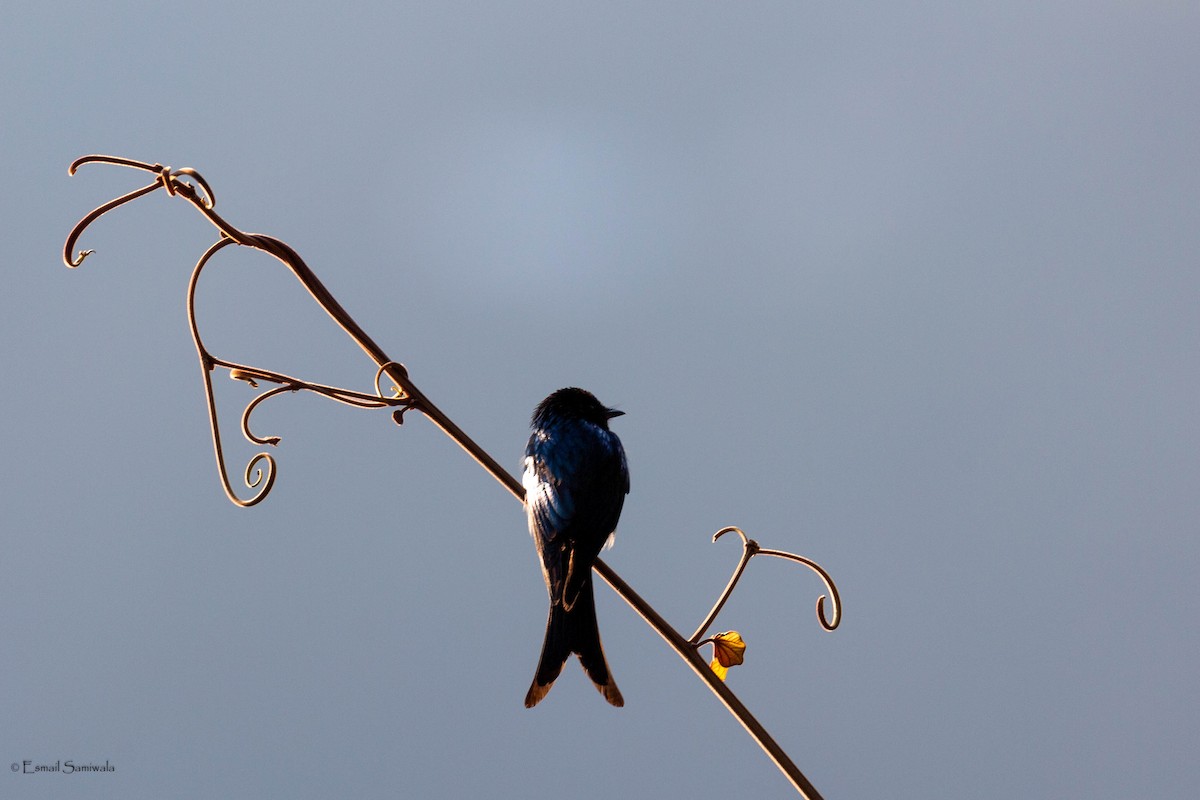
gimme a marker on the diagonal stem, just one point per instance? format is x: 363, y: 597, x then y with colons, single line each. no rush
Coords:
x: 731, y: 702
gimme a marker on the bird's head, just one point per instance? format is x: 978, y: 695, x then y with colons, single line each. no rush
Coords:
x: 574, y: 403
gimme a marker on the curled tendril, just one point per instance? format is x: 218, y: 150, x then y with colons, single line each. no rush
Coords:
x: 400, y: 393
x: 751, y: 548
x: 164, y: 177
x: 254, y: 477
x: 268, y: 440
x: 253, y: 376
x: 74, y: 261
x: 287, y: 385
x: 395, y: 370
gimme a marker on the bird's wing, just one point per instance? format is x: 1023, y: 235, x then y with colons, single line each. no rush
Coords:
x: 551, y: 480
x: 575, y: 483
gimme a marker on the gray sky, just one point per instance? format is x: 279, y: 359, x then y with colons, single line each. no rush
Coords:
x: 909, y: 290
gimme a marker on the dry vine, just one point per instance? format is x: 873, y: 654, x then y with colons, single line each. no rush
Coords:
x: 188, y: 184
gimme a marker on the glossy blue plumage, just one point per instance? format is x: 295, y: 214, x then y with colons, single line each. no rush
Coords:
x: 576, y: 479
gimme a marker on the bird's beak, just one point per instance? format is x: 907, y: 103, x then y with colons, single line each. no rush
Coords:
x: 612, y: 412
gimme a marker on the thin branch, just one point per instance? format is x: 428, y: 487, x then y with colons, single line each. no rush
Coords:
x: 410, y: 397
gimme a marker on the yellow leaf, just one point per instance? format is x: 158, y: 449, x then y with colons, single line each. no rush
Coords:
x: 720, y: 670
x: 729, y: 649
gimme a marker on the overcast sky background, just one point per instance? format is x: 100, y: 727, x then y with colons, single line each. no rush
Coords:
x: 910, y: 290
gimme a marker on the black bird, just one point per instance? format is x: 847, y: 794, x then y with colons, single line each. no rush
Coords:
x: 575, y: 483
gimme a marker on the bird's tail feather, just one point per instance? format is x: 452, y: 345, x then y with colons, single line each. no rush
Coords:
x: 573, y: 631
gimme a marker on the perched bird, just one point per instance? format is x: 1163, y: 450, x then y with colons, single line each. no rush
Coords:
x: 575, y: 482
